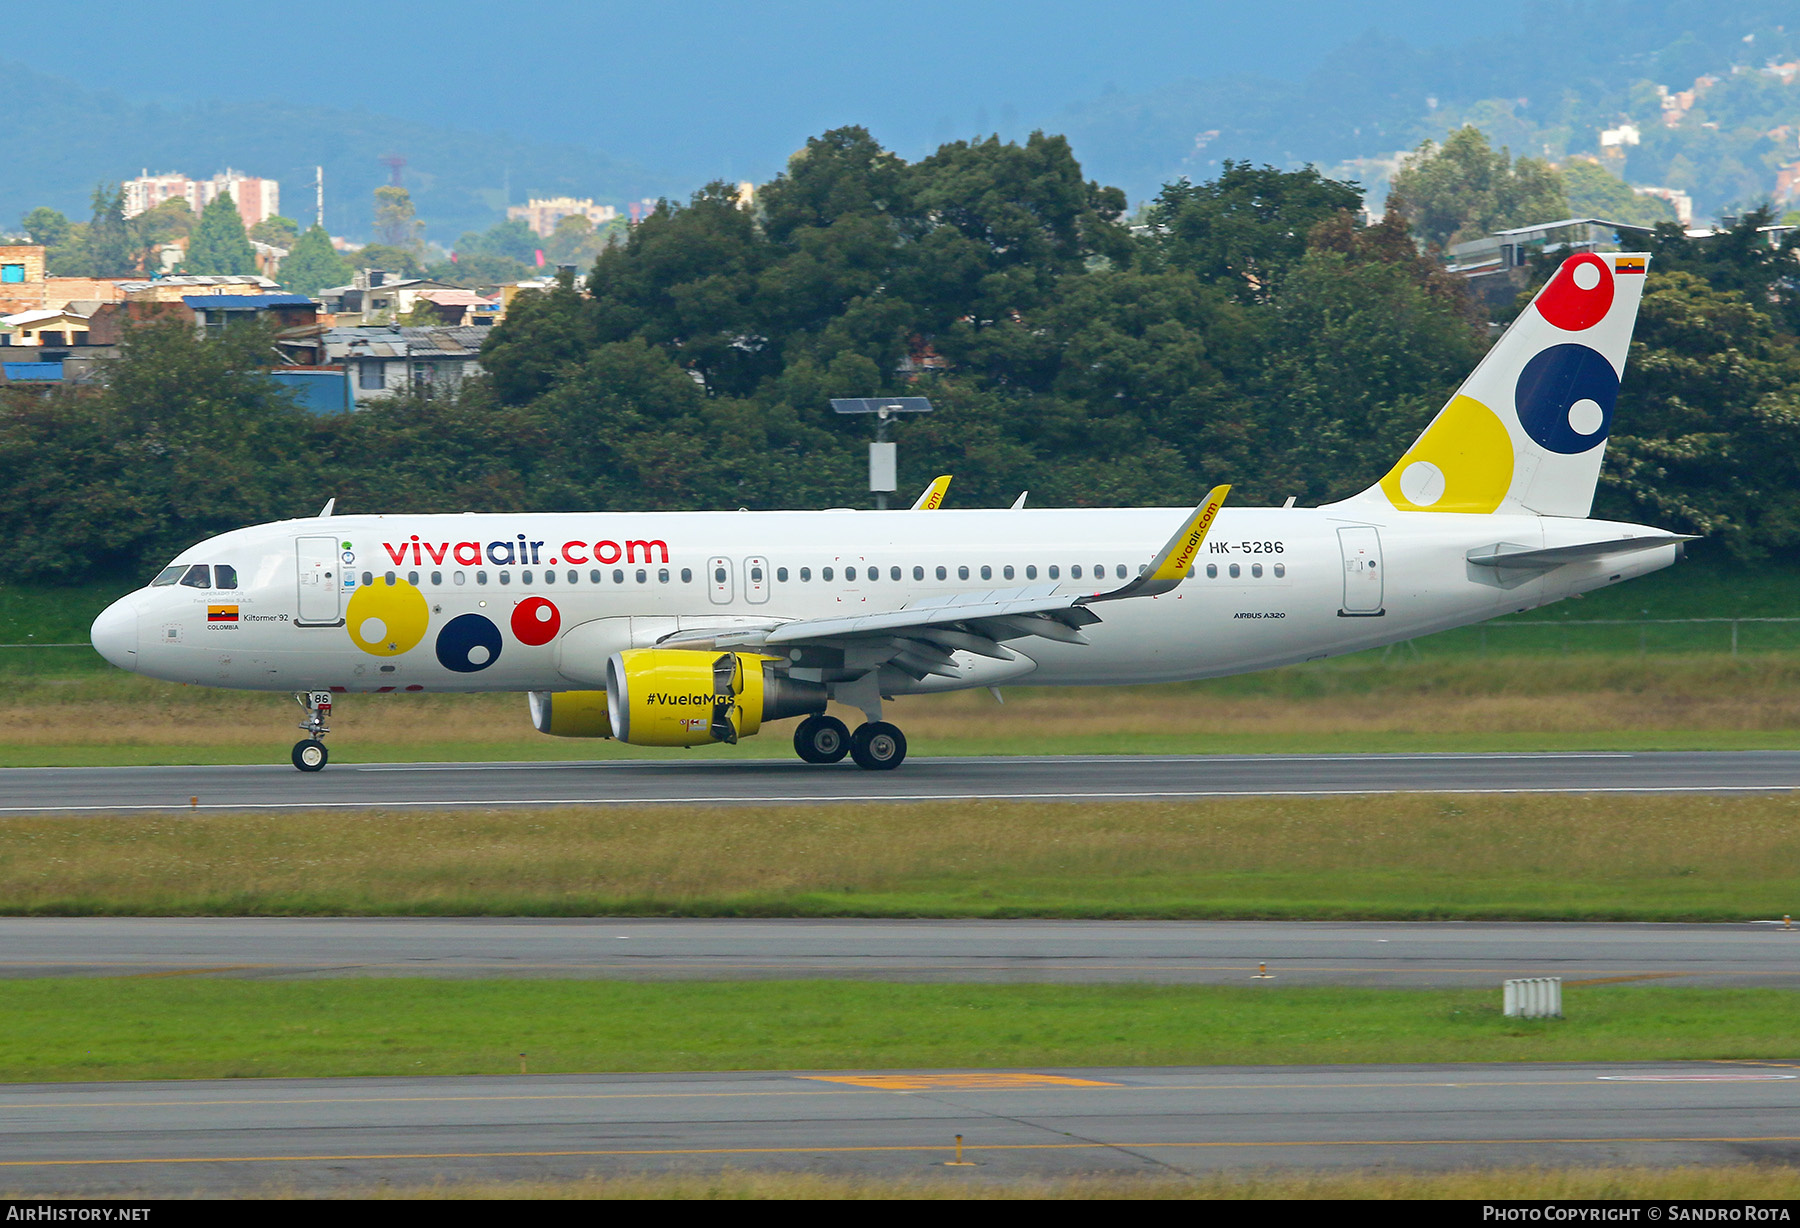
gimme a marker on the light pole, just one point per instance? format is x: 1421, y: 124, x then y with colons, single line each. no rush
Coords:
x: 883, y: 465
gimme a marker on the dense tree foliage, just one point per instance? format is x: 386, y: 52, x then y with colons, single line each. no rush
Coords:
x: 1250, y: 329
x: 1466, y: 189
x: 314, y: 264
x: 219, y: 246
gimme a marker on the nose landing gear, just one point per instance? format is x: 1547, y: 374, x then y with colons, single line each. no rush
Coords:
x: 310, y: 754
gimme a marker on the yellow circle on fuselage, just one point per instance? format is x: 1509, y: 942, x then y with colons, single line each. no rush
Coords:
x: 1462, y: 463
x: 385, y: 619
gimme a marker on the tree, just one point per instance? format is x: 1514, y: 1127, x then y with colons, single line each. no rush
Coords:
x: 219, y: 246
x: 167, y: 222
x: 1709, y: 427
x: 576, y: 241
x: 1465, y: 189
x: 394, y: 259
x: 313, y: 264
x: 48, y: 227
x: 111, y: 241
x: 511, y: 239
x: 395, y: 223
x: 1248, y: 226
x: 277, y: 231
x: 1593, y: 191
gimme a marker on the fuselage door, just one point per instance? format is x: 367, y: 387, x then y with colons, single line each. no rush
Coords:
x: 321, y: 589
x: 1361, y: 547
x: 756, y: 580
x: 718, y: 580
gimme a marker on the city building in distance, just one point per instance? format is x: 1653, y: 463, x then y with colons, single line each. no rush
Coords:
x: 257, y: 200
x: 543, y: 215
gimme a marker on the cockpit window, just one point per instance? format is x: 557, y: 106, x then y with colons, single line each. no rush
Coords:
x: 224, y: 576
x: 167, y: 576
x: 198, y: 576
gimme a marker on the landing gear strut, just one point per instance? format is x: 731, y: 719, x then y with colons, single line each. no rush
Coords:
x: 310, y: 754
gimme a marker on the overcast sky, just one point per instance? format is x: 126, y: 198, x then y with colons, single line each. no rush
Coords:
x: 714, y: 87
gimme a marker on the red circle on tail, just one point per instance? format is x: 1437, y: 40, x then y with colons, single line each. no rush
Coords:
x: 1570, y: 307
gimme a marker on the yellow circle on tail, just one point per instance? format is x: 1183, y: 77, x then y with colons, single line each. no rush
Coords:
x: 385, y: 619
x: 1462, y: 463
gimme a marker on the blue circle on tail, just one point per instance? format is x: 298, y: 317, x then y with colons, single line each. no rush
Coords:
x: 1554, y: 381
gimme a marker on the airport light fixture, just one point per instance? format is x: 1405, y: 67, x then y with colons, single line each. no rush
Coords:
x: 883, y: 465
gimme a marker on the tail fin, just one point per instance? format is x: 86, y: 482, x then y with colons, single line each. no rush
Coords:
x: 1527, y: 430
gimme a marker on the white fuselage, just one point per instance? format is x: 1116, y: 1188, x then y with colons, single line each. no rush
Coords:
x: 1271, y: 587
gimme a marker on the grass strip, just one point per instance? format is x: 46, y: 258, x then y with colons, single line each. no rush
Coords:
x: 1364, y: 703
x: 125, y: 1028
x: 1403, y: 857
x: 1710, y: 1182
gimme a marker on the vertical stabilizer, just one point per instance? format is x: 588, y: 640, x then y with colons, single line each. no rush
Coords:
x: 1527, y: 431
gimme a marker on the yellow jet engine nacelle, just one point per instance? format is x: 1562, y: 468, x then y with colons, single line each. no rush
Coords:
x: 571, y: 714
x: 683, y: 697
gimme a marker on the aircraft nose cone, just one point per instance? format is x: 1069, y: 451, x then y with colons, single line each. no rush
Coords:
x: 115, y: 633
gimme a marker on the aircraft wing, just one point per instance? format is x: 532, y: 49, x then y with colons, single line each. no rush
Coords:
x: 920, y: 636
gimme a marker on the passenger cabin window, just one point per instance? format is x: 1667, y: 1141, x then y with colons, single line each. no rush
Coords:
x: 662, y: 575
x: 687, y: 575
x: 525, y: 577
x: 461, y: 578
x: 1236, y: 571
x: 893, y: 573
x: 1256, y: 570
x: 481, y: 577
x: 1031, y: 571
x: 718, y: 575
x: 437, y: 579
x: 781, y: 575
x: 756, y: 574
x: 1212, y: 571
x: 942, y: 574
x: 1055, y: 571
x: 825, y: 574
x: 1006, y: 573
x: 389, y: 579
x: 224, y: 576
x: 962, y: 573
x: 1280, y: 570
x: 573, y: 576
x: 805, y: 574
x: 643, y: 577
x: 1120, y: 571
x: 987, y: 573
x: 849, y: 574
x: 197, y: 577
x: 594, y: 576
x: 506, y: 577
x: 1075, y: 572
x: 167, y: 576
x: 412, y: 578
x: 918, y: 573
x: 549, y: 576
x: 618, y: 575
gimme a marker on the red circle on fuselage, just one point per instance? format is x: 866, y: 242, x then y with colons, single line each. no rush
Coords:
x: 1570, y: 307
x: 535, y: 621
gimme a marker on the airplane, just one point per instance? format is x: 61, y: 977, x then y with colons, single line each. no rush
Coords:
x: 695, y: 628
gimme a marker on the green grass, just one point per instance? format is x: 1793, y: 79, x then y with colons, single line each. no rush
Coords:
x: 1522, y: 857
x: 1714, y: 1182
x: 190, y: 1028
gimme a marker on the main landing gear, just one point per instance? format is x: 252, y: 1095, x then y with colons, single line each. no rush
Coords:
x: 309, y: 753
x: 877, y: 745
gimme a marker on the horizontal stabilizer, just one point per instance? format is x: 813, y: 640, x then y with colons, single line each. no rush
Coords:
x: 1504, y: 554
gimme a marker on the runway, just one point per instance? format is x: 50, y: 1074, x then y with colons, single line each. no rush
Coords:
x: 1045, y: 779
x: 1401, y: 954
x: 224, y: 1136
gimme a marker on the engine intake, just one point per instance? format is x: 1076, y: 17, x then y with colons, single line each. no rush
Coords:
x: 681, y: 697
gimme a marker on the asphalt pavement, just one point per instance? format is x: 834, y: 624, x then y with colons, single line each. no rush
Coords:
x: 1046, y: 778
x: 220, y: 1137
x: 1455, y: 953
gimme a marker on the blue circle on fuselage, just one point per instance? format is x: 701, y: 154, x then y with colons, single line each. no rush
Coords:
x: 1555, y: 381
x: 461, y: 637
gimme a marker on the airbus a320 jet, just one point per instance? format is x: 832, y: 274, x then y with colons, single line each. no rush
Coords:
x: 691, y: 628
